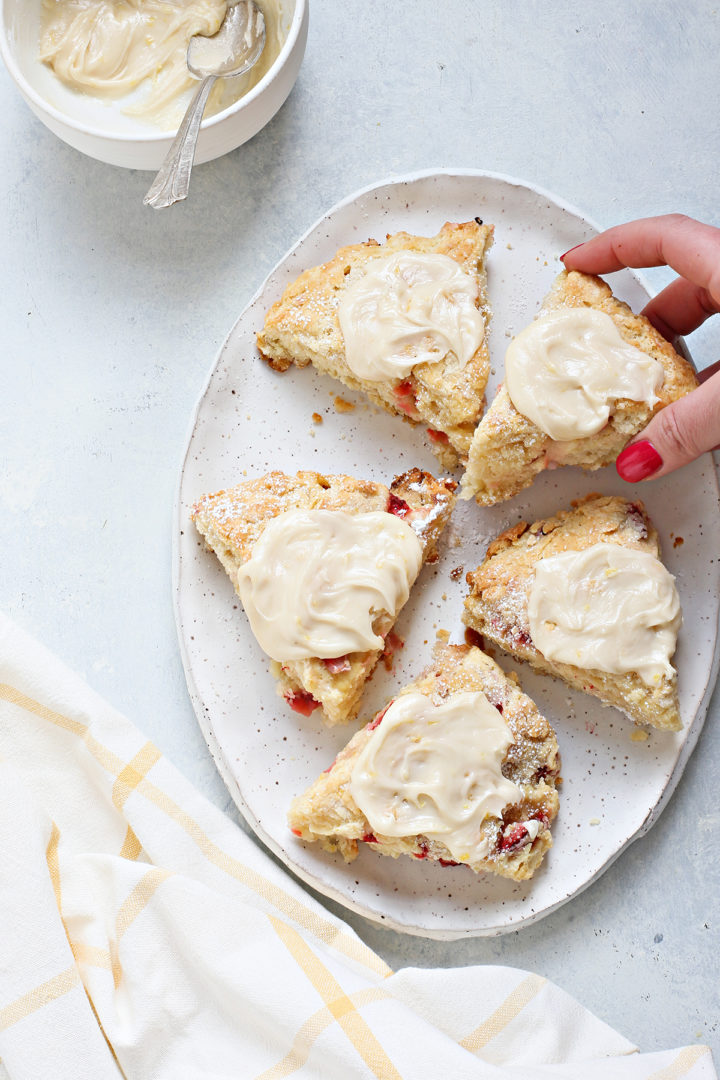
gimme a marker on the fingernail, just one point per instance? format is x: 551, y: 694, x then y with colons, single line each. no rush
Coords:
x: 568, y: 252
x: 638, y: 461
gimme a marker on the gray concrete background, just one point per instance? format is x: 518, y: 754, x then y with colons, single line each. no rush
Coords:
x: 112, y: 315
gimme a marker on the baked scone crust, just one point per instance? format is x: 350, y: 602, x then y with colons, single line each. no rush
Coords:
x: 303, y: 328
x: 497, y: 603
x: 508, y: 450
x: 232, y: 520
x: 327, y: 813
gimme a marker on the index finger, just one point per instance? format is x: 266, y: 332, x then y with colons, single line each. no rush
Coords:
x: 689, y: 247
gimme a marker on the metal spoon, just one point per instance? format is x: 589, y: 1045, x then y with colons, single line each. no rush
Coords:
x: 231, y: 51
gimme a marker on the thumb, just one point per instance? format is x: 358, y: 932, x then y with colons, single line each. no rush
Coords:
x: 676, y: 435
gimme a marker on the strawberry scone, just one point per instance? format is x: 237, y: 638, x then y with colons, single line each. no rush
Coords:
x: 404, y: 321
x: 580, y: 382
x: 459, y: 768
x: 584, y: 596
x: 323, y: 565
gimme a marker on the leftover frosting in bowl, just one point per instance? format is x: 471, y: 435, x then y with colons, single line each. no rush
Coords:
x: 137, y: 49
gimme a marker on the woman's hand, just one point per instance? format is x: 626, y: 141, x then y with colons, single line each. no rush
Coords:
x: 686, y: 428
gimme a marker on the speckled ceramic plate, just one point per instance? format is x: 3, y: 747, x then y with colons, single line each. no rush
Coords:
x: 250, y: 419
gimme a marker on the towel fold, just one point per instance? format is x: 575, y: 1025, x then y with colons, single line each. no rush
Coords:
x: 143, y: 935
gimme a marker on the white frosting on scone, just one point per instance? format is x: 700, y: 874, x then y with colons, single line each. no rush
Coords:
x: 608, y: 608
x: 435, y: 770
x: 318, y: 579
x: 566, y: 370
x: 406, y: 309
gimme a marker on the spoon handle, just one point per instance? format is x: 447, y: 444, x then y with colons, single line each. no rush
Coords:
x: 172, y: 182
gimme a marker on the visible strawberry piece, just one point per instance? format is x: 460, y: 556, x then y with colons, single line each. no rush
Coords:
x: 514, y: 837
x: 296, y: 831
x: 397, y: 506
x: 404, y: 394
x: 517, y: 634
x: 423, y: 852
x: 336, y: 664
x: 374, y: 723
x: 300, y: 701
x: 438, y: 436
x: 448, y: 862
x: 635, y: 515
x: 369, y: 838
x: 393, y: 642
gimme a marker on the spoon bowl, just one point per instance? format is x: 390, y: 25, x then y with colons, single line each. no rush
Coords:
x: 236, y: 46
x: 103, y: 129
x: 232, y: 51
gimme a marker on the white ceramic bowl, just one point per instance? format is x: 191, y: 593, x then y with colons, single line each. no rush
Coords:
x: 103, y: 131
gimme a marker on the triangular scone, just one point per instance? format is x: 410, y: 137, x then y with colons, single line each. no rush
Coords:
x: 232, y: 521
x: 509, y: 450
x: 512, y: 843
x: 303, y: 327
x: 497, y: 604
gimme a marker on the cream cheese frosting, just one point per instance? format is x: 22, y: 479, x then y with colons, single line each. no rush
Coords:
x: 107, y: 48
x: 317, y: 580
x: 608, y: 608
x: 566, y: 370
x: 436, y: 770
x: 406, y: 309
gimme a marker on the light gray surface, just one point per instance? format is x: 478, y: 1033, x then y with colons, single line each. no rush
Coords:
x: 112, y: 314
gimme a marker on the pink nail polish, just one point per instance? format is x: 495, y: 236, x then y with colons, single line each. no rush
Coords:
x: 638, y: 461
x: 569, y: 250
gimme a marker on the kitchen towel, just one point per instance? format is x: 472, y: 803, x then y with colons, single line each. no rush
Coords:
x: 143, y: 935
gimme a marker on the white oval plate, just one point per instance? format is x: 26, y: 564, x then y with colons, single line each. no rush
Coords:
x: 250, y: 419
